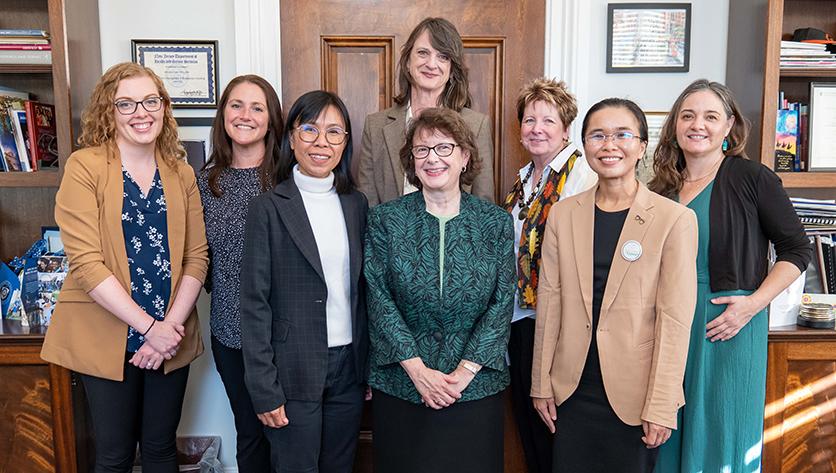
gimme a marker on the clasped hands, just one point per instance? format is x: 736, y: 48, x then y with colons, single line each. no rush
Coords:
x: 654, y: 434
x: 161, y: 343
x: 437, y: 389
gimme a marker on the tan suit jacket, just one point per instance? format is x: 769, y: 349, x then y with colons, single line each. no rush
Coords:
x: 83, y: 336
x: 381, y: 174
x: 646, y: 311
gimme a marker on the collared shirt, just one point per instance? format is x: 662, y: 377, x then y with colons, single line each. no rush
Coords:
x: 580, y: 179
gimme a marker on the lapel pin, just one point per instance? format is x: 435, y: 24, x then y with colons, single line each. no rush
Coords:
x: 631, y: 251
x: 640, y: 220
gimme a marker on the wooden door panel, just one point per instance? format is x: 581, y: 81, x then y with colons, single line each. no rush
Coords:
x: 485, y: 61
x: 360, y: 69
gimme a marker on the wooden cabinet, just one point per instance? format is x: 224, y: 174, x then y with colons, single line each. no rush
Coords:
x: 800, y: 415
x: 36, y: 419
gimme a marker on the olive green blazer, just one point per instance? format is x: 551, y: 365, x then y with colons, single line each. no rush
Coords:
x: 82, y: 335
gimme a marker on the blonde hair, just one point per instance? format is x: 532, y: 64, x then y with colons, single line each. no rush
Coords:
x: 552, y: 92
x: 98, y: 126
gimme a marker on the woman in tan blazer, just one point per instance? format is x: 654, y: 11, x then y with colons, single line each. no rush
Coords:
x: 132, y: 225
x: 431, y: 73
x: 615, y: 303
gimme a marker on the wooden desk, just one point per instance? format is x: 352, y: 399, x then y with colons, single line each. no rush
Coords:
x: 800, y: 416
x: 36, y: 421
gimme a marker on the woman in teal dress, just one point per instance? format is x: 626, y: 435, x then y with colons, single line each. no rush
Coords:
x: 741, y: 207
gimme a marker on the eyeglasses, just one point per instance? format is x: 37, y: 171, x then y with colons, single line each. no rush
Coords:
x: 442, y: 150
x: 309, y: 133
x: 619, y: 137
x: 127, y: 107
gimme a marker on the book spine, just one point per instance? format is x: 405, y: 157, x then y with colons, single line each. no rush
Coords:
x: 25, y: 47
x: 24, y: 32
x: 25, y: 57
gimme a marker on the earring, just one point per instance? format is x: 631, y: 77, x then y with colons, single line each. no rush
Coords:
x: 674, y: 144
x: 725, y: 144
x: 464, y: 168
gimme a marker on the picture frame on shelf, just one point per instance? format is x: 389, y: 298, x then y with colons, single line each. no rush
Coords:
x: 648, y: 37
x: 188, y: 69
x: 655, y: 121
x: 822, y: 127
x: 195, y: 134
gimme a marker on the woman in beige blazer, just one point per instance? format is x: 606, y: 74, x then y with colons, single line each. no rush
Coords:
x: 615, y: 303
x: 132, y: 225
x: 431, y: 73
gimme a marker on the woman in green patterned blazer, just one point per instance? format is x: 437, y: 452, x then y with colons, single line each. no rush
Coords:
x: 439, y: 265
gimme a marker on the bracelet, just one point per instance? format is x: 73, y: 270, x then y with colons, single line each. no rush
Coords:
x: 153, y: 321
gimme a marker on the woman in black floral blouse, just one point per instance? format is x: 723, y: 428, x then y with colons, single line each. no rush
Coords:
x: 439, y: 266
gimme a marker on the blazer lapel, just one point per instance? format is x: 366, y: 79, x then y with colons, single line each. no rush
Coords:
x: 638, y: 220
x: 112, y: 203
x: 175, y: 202
x: 582, y: 221
x: 393, y: 135
x: 355, y: 243
x: 291, y: 210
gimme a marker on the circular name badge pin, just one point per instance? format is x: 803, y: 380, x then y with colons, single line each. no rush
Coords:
x: 631, y: 251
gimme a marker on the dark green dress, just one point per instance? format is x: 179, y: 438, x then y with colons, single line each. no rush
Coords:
x: 720, y: 428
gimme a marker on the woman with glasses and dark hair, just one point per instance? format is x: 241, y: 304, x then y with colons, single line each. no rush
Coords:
x: 741, y: 207
x: 440, y: 274
x: 304, y: 333
x: 431, y: 73
x: 246, y: 136
x: 614, y: 307
x: 132, y: 226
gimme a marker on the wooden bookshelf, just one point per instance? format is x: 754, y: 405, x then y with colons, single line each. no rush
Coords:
x: 783, y: 17
x: 25, y: 69
x: 45, y: 178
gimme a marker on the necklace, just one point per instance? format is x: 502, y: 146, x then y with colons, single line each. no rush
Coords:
x: 521, y: 200
x: 710, y: 172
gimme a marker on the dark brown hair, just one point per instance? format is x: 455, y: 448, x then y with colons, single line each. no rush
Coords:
x: 445, y: 38
x: 668, y: 159
x: 552, y: 92
x: 221, y: 157
x: 451, y: 124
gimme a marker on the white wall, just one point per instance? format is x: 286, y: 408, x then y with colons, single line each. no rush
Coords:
x: 206, y: 408
x: 585, y: 23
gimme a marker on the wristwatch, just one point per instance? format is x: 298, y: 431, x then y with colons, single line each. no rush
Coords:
x: 470, y: 367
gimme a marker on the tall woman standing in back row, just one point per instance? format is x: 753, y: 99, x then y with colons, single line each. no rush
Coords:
x: 246, y: 135
x: 431, y: 73
x: 741, y: 207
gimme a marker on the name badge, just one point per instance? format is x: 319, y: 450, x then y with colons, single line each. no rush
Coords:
x: 631, y: 251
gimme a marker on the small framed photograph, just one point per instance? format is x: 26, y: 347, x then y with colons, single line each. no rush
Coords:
x: 822, y: 124
x: 188, y: 69
x: 655, y: 121
x: 648, y: 37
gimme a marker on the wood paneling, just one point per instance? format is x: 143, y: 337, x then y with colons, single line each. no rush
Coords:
x: 23, y: 211
x: 799, y: 420
x: 485, y: 59
x: 366, y: 65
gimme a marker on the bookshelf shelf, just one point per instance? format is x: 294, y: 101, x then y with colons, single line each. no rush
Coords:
x: 25, y: 68
x: 808, y: 180
x: 825, y: 73
x: 30, y: 179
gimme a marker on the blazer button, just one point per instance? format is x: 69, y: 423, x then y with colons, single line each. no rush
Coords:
x: 437, y: 336
x: 587, y: 326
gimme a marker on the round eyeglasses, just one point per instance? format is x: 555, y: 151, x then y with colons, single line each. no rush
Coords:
x: 333, y: 135
x: 442, y: 150
x: 127, y: 107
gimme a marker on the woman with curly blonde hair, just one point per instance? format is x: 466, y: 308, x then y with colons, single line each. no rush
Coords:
x: 132, y: 225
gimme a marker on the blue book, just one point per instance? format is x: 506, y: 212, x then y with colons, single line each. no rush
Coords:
x: 9, y: 288
x: 24, y: 32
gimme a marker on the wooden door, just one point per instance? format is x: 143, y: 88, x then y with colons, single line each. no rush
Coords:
x: 351, y: 47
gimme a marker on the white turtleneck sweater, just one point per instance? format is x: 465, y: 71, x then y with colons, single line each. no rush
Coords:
x: 325, y: 214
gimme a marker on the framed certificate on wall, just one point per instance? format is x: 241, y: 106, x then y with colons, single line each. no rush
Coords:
x: 822, y: 127
x: 188, y: 69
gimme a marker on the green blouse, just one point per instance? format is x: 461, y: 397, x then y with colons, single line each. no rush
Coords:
x: 408, y: 317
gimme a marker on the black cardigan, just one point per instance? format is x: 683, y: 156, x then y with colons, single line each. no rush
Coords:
x: 749, y: 208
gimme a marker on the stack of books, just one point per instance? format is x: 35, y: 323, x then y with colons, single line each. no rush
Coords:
x: 819, y: 219
x: 803, y: 55
x: 27, y: 133
x: 791, y: 135
x: 25, y: 47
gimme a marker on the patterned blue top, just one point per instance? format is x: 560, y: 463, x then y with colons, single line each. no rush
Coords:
x: 144, y: 223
